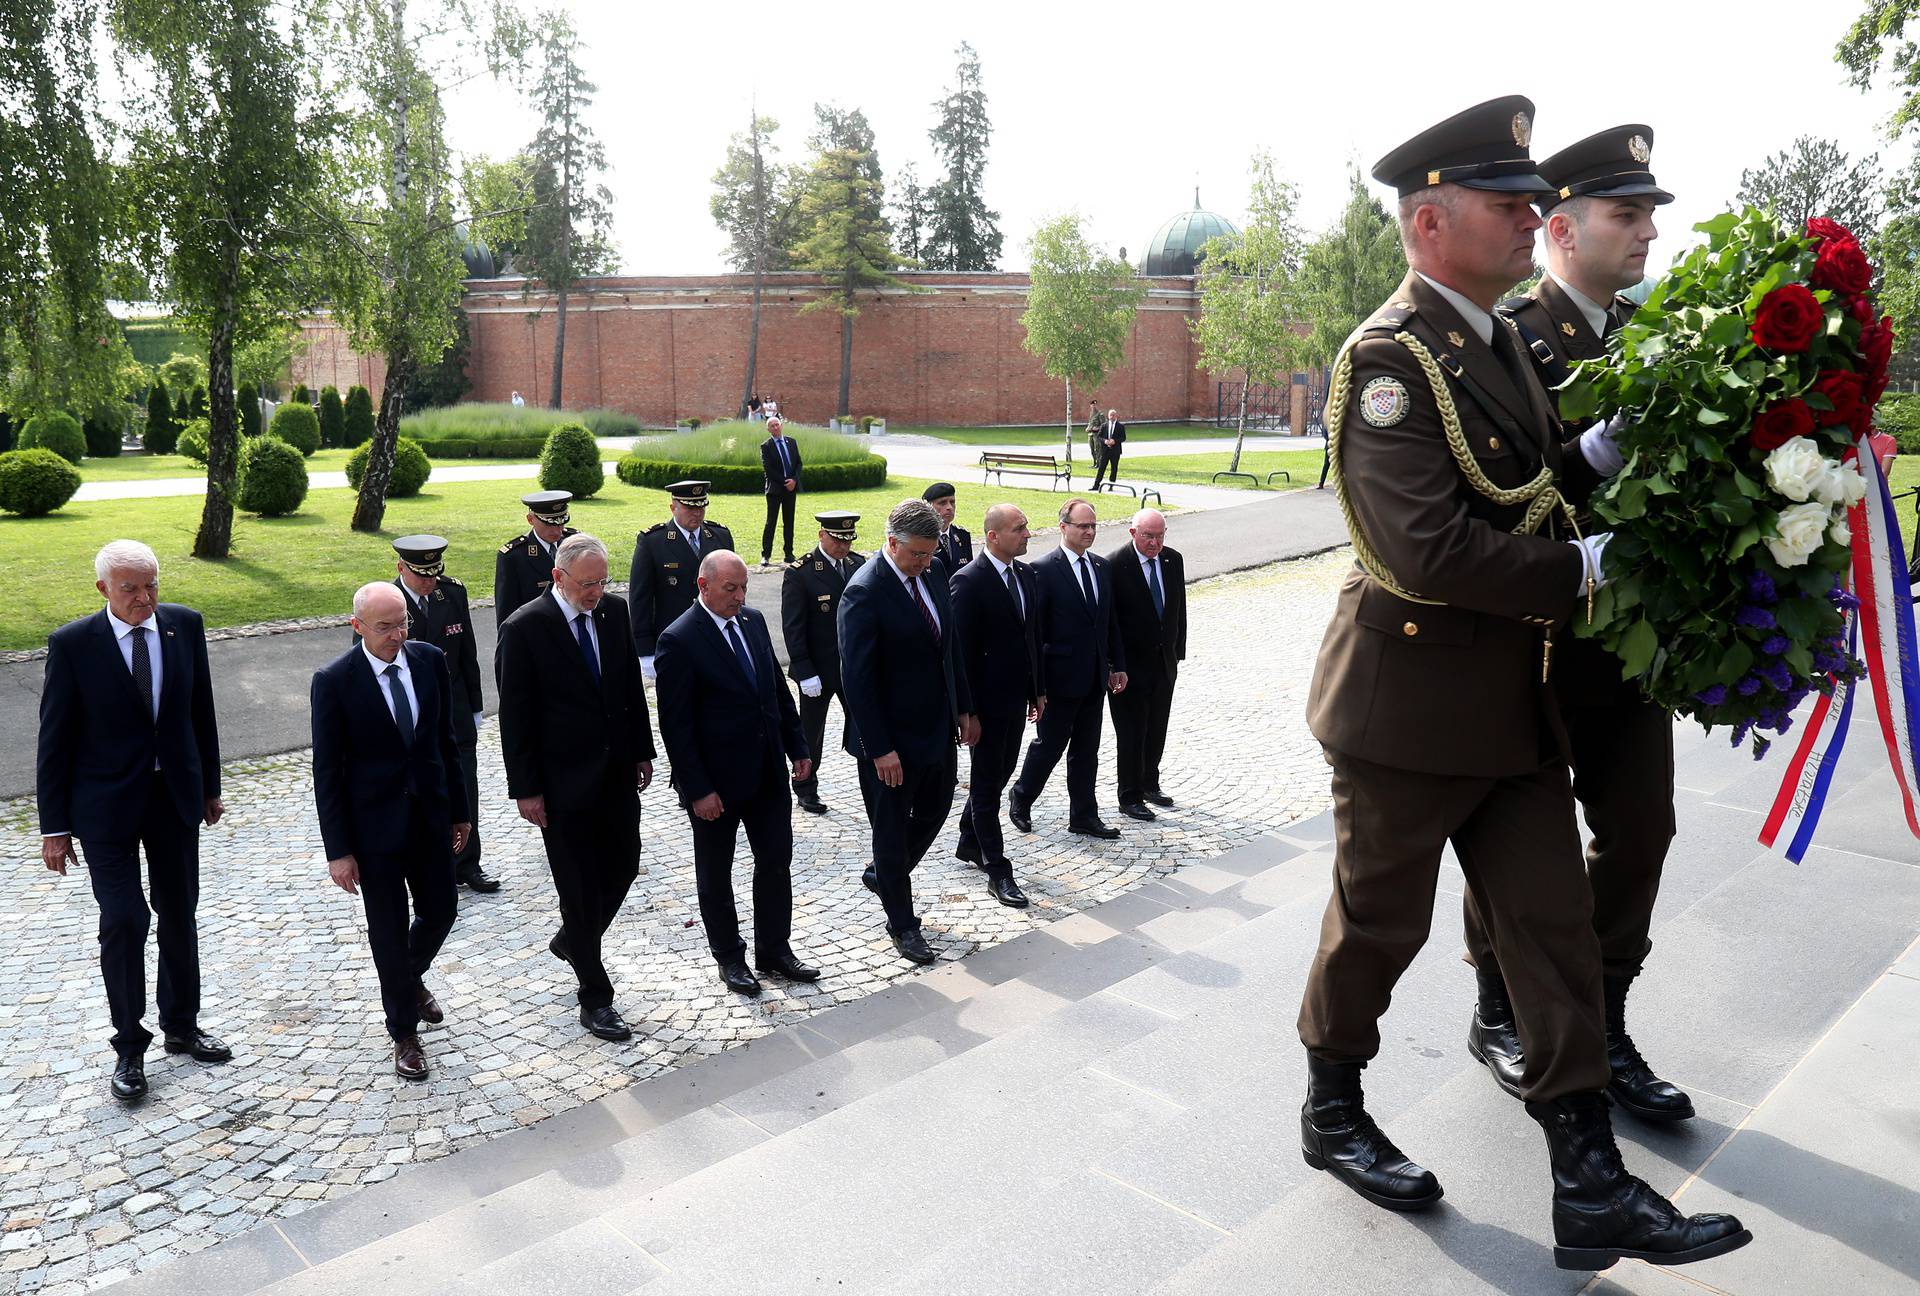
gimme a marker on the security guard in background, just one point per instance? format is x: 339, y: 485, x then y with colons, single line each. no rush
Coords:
x: 809, y: 599
x: 666, y: 566
x: 1599, y: 225
x: 524, y: 567
x: 1429, y: 696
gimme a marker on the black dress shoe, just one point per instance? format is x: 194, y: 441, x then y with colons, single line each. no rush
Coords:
x: 409, y: 1062
x: 201, y: 1046
x: 809, y: 800
x: 786, y: 965
x: 558, y: 950
x: 1007, y: 891
x: 429, y: 1007
x: 1159, y: 798
x: 1492, y: 1038
x: 475, y: 878
x: 738, y: 979
x: 606, y: 1023
x: 1095, y: 828
x: 1138, y: 810
x: 1634, y: 1086
x: 1337, y: 1135
x: 914, y: 948
x: 1019, y: 813
x: 870, y: 880
x: 130, y: 1079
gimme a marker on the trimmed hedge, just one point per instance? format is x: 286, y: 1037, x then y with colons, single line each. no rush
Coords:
x: 192, y: 441
x: 247, y: 400
x: 273, y: 477
x: 571, y: 462
x: 161, y: 430
x: 298, y: 426
x: 737, y: 479
x: 357, y: 426
x: 333, y: 417
x: 104, y: 430
x: 58, y: 432
x: 410, y: 468
x: 35, y: 482
x: 500, y: 448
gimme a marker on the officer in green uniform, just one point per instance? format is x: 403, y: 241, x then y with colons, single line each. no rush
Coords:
x: 1599, y: 226
x: 524, y: 567
x: 666, y: 566
x: 1431, y: 702
x: 809, y: 600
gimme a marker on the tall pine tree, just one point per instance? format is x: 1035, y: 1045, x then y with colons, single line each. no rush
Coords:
x: 912, y: 216
x: 962, y: 234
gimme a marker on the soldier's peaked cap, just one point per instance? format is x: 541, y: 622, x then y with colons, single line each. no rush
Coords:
x: 1611, y: 164
x: 691, y: 493
x: 422, y: 553
x: 839, y: 525
x: 1484, y: 147
x: 549, y: 506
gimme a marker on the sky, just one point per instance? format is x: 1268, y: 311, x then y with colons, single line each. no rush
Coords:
x: 1118, y: 111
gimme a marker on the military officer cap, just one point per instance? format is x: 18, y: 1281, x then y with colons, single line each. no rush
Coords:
x: 693, y: 494
x: 1611, y: 164
x: 1484, y: 147
x: 423, y: 553
x: 839, y: 525
x: 937, y: 491
x: 549, y: 506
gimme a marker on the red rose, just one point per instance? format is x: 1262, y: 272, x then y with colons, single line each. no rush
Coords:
x: 1842, y: 266
x: 1781, y: 423
x: 1876, y: 348
x: 1825, y: 230
x: 1789, y: 319
x: 1862, y: 311
x: 1843, y: 389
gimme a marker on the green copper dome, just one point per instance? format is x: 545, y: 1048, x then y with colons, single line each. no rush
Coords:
x: 1175, y: 246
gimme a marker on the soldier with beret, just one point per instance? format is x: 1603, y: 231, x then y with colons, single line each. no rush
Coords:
x: 809, y: 604
x: 666, y: 566
x: 1599, y: 226
x: 1432, y: 702
x: 523, y: 569
x: 956, y: 542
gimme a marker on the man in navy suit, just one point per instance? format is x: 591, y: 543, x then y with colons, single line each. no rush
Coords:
x: 129, y: 757
x: 996, y: 611
x: 1081, y: 659
x: 731, y: 729
x: 907, y: 703
x: 392, y: 802
x: 780, y: 461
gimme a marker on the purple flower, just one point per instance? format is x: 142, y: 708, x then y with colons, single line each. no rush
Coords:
x: 1776, y: 674
x: 1754, y: 618
x: 1829, y: 663
x: 1748, y: 686
x: 1740, y: 732
x: 1776, y: 645
x: 1712, y: 696
x: 1760, y: 586
x: 1845, y: 601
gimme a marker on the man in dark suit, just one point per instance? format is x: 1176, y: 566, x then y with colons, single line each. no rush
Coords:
x: 578, y: 746
x: 907, y: 702
x: 1081, y: 660
x: 956, y: 542
x: 129, y: 758
x: 523, y: 568
x: 1113, y: 438
x: 731, y: 730
x: 1150, y: 606
x: 780, y: 462
x: 393, y: 806
x: 996, y: 613
x: 809, y: 604
x: 666, y: 560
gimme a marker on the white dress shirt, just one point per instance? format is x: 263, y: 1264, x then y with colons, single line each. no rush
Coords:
x: 406, y: 682
x: 1591, y: 311
x: 123, y: 635
x: 1093, y: 577
x: 1477, y: 317
x: 1147, y: 572
x: 925, y: 597
x: 1019, y: 596
x: 573, y: 614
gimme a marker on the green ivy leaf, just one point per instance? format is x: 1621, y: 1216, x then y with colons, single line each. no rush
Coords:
x: 1636, y: 650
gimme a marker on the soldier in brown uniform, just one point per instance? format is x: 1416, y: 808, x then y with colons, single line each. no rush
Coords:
x: 1599, y: 225
x: 1429, y: 696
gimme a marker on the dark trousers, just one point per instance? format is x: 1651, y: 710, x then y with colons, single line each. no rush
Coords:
x: 768, y: 819
x: 594, y: 855
x: 989, y: 767
x: 1108, y: 463
x: 1623, y: 779
x: 779, y: 505
x: 403, y: 950
x: 173, y: 880
x: 905, y: 821
x: 1069, y: 726
x: 466, y: 747
x: 1140, y: 715
x: 1517, y: 845
x: 813, y: 725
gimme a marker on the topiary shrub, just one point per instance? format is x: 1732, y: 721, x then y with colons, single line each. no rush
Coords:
x: 35, y: 482
x: 687, y: 423
x: 298, y: 426
x: 104, y: 431
x: 197, y: 405
x: 247, y: 399
x: 411, y: 468
x: 161, y: 430
x: 571, y: 462
x: 301, y: 394
x: 273, y: 477
x: 333, y: 417
x: 192, y: 441
x: 866, y: 424
x: 58, y: 432
x: 357, y: 424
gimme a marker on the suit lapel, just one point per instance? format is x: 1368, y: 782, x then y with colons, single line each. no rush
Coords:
x: 119, y: 671
x: 570, y: 646
x: 373, y: 690
x: 172, y: 673
x: 1576, y: 338
x: 1469, y: 359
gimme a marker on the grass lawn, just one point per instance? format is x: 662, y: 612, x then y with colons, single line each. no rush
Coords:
x: 1905, y: 475
x: 309, y: 564
x: 1054, y: 435
x: 144, y: 466
x: 1200, y: 468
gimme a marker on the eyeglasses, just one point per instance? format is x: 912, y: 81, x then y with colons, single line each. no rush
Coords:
x: 584, y: 584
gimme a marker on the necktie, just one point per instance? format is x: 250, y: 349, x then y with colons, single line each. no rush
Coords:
x: 402, y: 713
x: 586, y: 648
x: 786, y: 464
x: 143, y: 669
x: 693, y: 541
x: 913, y: 587
x: 1153, y: 584
x: 740, y: 651
x: 1086, y: 583
x: 1013, y: 588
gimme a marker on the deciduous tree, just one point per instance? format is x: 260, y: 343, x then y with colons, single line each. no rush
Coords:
x: 1080, y: 308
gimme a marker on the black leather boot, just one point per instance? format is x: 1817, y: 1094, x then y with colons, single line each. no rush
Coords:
x: 1602, y: 1214
x: 1491, y: 1035
x: 1634, y: 1085
x: 1337, y: 1135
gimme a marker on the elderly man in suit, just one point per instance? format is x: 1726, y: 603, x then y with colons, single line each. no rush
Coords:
x: 1150, y: 607
x: 129, y: 759
x: 908, y: 702
x: 809, y: 613
x: 780, y: 464
x: 1082, y: 659
x: 578, y: 746
x: 392, y: 803
x: 996, y: 612
x: 731, y: 731
x: 956, y: 542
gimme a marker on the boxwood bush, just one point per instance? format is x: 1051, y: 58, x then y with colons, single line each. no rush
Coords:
x: 58, y: 432
x: 35, y: 482
x: 357, y: 419
x: 161, y: 429
x: 104, y: 430
x: 247, y: 402
x: 571, y: 462
x: 192, y: 441
x: 273, y: 477
x: 410, y: 468
x: 639, y: 469
x: 298, y: 426
x: 333, y: 417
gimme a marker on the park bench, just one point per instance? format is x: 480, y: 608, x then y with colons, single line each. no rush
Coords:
x: 1032, y: 465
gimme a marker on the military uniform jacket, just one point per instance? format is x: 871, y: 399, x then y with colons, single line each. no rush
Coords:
x: 809, y: 604
x: 664, y: 580
x: 1453, y: 686
x: 521, y: 570
x: 447, y: 624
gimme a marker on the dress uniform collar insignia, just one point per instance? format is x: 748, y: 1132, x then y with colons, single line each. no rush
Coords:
x: 1456, y: 338
x: 1566, y: 328
x: 1384, y: 402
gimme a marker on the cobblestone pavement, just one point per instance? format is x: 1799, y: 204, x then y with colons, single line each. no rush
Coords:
x: 309, y: 1109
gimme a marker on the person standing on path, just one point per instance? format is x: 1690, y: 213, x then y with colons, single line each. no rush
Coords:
x: 1150, y: 608
x: 1113, y: 440
x: 523, y: 569
x: 780, y: 462
x: 666, y: 563
x: 809, y: 623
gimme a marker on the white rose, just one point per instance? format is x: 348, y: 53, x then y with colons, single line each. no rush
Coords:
x: 1801, y: 530
x: 1853, y: 487
x: 1796, y: 469
x: 1840, y: 533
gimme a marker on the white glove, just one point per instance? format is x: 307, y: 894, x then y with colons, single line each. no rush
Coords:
x: 646, y: 667
x: 1597, y: 445
x: 810, y: 686
x: 1591, y: 547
